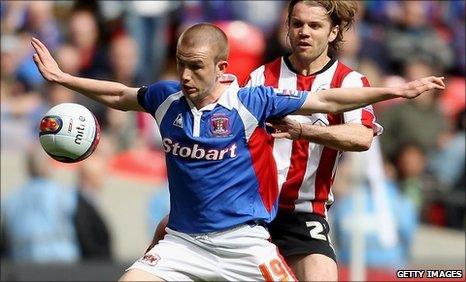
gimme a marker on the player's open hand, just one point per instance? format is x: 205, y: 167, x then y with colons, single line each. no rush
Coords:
x: 46, y: 64
x: 415, y: 88
x: 285, y: 128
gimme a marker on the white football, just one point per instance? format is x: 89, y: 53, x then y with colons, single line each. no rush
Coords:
x: 69, y: 132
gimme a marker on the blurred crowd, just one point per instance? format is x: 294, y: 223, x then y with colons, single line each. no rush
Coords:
x: 133, y: 42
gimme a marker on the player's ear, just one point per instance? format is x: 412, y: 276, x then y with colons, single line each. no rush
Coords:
x: 222, y: 66
x: 333, y: 33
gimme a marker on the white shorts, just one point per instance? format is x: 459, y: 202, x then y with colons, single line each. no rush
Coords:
x: 239, y: 254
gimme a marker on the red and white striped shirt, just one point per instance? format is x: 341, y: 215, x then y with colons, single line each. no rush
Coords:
x: 306, y: 170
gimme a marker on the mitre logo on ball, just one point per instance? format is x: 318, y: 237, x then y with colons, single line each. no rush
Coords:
x: 69, y: 132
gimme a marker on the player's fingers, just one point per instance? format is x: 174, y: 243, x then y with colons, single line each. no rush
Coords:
x: 277, y: 130
x: 438, y: 86
x: 37, y: 60
x: 38, y: 63
x: 276, y: 126
x: 35, y: 43
x: 280, y: 135
x: 427, y: 80
x: 35, y: 46
x: 44, y: 56
x: 42, y: 46
x: 40, y: 66
x: 35, y: 57
x: 39, y: 51
x: 440, y: 81
x: 436, y: 83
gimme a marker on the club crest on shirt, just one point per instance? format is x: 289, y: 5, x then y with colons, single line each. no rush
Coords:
x: 293, y: 94
x: 220, y: 125
x: 150, y: 259
x: 321, y: 87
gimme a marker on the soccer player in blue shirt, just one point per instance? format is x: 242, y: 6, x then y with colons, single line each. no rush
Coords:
x: 221, y: 171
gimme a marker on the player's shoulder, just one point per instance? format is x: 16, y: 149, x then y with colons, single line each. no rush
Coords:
x: 276, y: 63
x: 165, y: 87
x: 347, y: 69
x: 347, y: 76
x: 254, y: 96
x: 252, y: 90
x: 258, y: 75
x: 157, y: 93
x: 263, y: 93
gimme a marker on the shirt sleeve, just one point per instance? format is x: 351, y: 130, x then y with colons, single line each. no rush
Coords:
x: 150, y: 98
x: 255, y: 78
x: 365, y: 115
x: 268, y: 102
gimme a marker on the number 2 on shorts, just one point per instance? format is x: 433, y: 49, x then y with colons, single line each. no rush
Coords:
x: 277, y: 268
x: 316, y: 230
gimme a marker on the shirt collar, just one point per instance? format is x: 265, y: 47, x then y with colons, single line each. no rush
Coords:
x: 227, y: 98
x: 288, y: 63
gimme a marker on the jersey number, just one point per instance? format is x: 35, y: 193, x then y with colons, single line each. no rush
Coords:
x: 316, y: 230
x: 277, y: 268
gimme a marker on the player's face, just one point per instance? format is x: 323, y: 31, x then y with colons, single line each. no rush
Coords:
x: 197, y: 71
x: 310, y: 32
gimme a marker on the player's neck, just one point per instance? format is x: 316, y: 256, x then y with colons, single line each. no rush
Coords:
x: 308, y: 67
x: 213, y: 96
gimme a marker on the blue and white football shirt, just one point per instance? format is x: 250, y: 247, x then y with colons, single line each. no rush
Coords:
x: 221, y: 170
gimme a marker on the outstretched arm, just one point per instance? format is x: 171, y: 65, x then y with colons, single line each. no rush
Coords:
x: 336, y: 100
x: 342, y: 137
x: 112, y: 94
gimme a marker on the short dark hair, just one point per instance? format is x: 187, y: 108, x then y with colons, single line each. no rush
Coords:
x: 207, y: 33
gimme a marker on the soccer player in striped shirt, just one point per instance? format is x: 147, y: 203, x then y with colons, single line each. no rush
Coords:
x: 307, y: 166
x: 221, y: 172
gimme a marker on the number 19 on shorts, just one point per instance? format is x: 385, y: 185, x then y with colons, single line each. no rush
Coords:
x: 275, y: 270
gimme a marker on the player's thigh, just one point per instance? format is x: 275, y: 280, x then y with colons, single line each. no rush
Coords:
x: 304, y: 241
x: 139, y: 275
x: 314, y: 267
x: 247, y: 255
x: 301, y: 234
x: 177, y: 257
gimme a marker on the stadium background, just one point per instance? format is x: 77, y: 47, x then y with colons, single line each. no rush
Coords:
x: 134, y: 43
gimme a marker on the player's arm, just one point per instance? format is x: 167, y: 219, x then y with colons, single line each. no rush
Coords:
x: 335, y: 100
x: 342, y: 137
x: 112, y: 94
